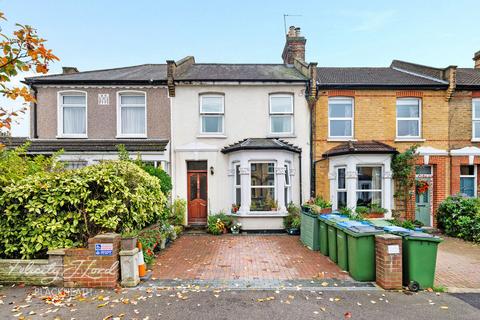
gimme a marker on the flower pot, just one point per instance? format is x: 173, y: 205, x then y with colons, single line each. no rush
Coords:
x: 128, y: 243
x: 375, y: 215
x: 293, y: 231
x: 235, y: 231
x: 163, y: 243
x: 326, y: 211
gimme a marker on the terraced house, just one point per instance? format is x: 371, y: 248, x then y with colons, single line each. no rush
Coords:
x: 364, y: 115
x: 250, y: 138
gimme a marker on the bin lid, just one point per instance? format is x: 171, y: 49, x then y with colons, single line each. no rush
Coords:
x: 350, y: 223
x: 364, y: 229
x: 396, y: 229
x: 422, y: 236
x: 380, y: 222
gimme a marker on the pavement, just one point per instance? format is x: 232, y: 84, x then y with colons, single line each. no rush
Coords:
x: 458, y: 264
x: 190, y: 302
x: 248, y: 257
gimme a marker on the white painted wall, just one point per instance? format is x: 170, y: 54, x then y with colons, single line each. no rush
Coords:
x: 246, y: 116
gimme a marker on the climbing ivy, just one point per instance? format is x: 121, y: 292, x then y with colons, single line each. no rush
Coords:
x: 403, y: 168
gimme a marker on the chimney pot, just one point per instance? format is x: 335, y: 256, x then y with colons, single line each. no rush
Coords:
x: 476, y: 58
x: 69, y: 70
x: 294, y: 46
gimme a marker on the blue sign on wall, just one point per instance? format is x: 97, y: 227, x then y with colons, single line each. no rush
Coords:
x: 103, y: 249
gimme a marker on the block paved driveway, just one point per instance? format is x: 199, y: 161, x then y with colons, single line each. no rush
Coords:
x: 246, y: 257
x: 458, y: 265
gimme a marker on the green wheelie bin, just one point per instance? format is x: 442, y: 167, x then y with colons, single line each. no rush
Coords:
x: 332, y: 241
x: 419, y: 260
x: 361, y: 252
x: 309, y: 230
x: 342, y: 249
x: 323, y: 236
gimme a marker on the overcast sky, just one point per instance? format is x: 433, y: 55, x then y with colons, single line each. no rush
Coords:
x: 113, y: 33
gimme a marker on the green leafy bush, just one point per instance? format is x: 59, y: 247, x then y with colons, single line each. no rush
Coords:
x: 219, y: 222
x: 293, y: 219
x: 460, y: 217
x: 63, y: 208
x: 165, y: 179
x: 177, y: 212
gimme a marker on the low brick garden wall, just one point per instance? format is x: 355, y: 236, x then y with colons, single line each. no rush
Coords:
x: 97, y: 266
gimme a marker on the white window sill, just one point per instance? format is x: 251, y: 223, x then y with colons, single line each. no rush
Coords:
x: 143, y: 136
x: 72, y: 136
x: 475, y: 140
x: 341, y: 139
x: 281, y: 135
x: 260, y: 214
x: 211, y: 136
x: 410, y: 140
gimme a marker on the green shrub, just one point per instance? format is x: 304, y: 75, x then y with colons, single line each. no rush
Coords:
x: 218, y: 222
x: 460, y: 217
x: 165, y: 179
x: 322, y: 203
x: 293, y: 219
x: 177, y: 212
x: 16, y: 164
x: 62, y: 209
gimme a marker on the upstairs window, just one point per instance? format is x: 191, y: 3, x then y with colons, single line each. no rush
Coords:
x: 212, y: 113
x: 408, y: 118
x: 476, y: 119
x: 281, y: 114
x: 340, y: 118
x: 133, y: 114
x: 72, y: 114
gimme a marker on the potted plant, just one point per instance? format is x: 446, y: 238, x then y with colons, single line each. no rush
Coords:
x: 235, y: 228
x: 235, y: 208
x: 129, y: 239
x: 293, y: 221
x: 375, y: 211
x: 325, y: 206
x: 272, y: 204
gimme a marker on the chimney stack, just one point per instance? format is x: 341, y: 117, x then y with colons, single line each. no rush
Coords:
x: 476, y: 58
x: 294, y: 46
x: 69, y: 70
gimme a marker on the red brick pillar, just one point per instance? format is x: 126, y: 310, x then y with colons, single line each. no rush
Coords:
x: 95, y: 267
x: 388, y: 258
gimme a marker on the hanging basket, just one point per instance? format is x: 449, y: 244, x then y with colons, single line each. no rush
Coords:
x: 422, y: 186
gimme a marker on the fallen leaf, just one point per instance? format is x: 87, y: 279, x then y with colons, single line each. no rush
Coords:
x: 347, y: 315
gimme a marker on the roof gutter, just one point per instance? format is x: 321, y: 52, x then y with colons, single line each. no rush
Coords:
x: 96, y: 82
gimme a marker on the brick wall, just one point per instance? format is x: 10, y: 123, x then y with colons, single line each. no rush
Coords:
x: 460, y: 113
x: 82, y: 268
x: 388, y: 265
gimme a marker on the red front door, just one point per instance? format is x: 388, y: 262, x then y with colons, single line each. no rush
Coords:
x: 197, y: 197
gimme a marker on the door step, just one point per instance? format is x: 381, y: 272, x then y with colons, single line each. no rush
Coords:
x: 193, y: 229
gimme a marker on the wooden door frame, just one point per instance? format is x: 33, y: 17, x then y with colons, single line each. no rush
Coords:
x: 188, y: 191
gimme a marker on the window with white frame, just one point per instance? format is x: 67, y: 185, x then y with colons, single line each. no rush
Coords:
x: 288, y: 184
x: 281, y: 113
x: 408, y: 118
x: 476, y: 119
x: 369, y: 186
x: 341, y: 187
x: 468, y: 180
x: 238, y: 185
x: 262, y: 186
x: 212, y: 112
x: 73, y: 114
x: 340, y: 117
x: 133, y: 114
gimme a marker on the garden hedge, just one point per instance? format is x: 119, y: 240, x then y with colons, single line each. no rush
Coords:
x: 460, y: 217
x: 63, y: 208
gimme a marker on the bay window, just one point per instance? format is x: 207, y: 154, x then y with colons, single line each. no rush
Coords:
x: 132, y: 114
x: 340, y: 118
x: 341, y: 188
x: 281, y: 114
x: 288, y: 184
x: 72, y: 114
x: 476, y: 119
x: 408, y: 118
x: 369, y: 186
x: 212, y: 111
x: 262, y: 186
x: 468, y: 180
x: 238, y: 186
